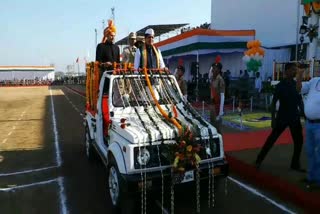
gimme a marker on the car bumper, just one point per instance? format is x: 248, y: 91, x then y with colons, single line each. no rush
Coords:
x: 154, y: 179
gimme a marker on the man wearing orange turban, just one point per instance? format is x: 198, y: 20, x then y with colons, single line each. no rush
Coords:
x: 107, y: 52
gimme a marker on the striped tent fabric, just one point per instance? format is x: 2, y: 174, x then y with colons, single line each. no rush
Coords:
x: 204, y: 41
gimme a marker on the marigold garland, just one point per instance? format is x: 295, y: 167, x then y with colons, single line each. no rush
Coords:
x: 186, y: 152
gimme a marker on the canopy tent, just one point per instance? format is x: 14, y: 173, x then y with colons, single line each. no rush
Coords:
x: 202, y: 45
x: 158, y: 30
x: 26, y: 72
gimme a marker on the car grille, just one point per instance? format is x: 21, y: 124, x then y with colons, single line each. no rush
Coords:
x: 166, y: 153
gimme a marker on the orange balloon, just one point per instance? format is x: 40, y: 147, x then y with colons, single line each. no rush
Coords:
x: 307, y: 9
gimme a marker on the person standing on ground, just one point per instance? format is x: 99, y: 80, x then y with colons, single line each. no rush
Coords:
x: 288, y: 115
x: 181, y: 81
x: 258, y: 83
x: 226, y: 78
x: 217, y: 89
x: 311, y: 90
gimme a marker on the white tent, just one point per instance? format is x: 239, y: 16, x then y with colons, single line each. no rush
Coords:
x: 203, y: 45
x: 26, y: 72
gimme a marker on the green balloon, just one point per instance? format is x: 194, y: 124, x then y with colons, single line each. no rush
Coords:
x: 253, y: 65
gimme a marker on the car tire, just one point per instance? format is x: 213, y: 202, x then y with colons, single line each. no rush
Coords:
x: 88, y: 147
x: 120, y: 200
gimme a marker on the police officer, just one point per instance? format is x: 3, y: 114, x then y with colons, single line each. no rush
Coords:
x: 217, y: 90
x: 181, y: 81
x: 129, y: 52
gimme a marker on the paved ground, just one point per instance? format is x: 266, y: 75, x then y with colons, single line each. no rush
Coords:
x: 43, y: 168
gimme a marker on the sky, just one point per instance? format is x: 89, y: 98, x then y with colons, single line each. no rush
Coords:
x: 275, y: 21
x: 38, y: 32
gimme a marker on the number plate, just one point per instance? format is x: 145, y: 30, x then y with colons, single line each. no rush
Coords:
x: 188, y: 176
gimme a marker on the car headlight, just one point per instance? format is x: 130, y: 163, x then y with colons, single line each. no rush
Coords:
x: 143, y: 157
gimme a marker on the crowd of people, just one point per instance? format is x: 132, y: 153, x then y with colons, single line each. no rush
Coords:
x: 25, y: 82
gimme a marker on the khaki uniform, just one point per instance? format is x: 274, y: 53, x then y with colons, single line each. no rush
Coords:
x: 128, y: 54
x: 121, y: 88
x: 217, y: 87
x: 183, y: 86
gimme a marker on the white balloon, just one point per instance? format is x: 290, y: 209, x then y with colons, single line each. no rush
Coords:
x: 246, y: 58
x: 261, y: 57
x: 255, y: 57
x: 258, y: 57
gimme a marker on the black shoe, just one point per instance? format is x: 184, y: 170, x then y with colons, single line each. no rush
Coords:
x: 298, y: 169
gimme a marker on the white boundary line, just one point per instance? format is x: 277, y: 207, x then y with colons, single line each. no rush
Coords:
x: 71, y: 103
x: 63, y: 198
x: 256, y: 192
x: 62, y: 194
x: 74, y: 91
x: 27, y: 171
x: 55, y: 131
x: 74, y: 107
x: 9, y: 189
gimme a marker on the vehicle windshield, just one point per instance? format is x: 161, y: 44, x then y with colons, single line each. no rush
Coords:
x: 133, y: 91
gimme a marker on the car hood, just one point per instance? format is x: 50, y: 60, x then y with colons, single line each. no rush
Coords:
x: 150, y: 126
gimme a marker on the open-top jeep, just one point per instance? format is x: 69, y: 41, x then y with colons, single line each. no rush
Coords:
x: 146, y: 133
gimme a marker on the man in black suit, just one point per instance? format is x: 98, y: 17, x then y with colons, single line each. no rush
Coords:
x: 288, y: 115
x: 107, y: 52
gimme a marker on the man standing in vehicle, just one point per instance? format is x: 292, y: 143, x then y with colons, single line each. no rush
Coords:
x: 148, y: 56
x: 129, y: 52
x: 107, y: 52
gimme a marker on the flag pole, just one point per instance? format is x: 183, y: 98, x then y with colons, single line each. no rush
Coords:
x: 78, y: 68
x: 96, y: 35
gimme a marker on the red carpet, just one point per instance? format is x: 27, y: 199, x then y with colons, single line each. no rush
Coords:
x: 251, y: 140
